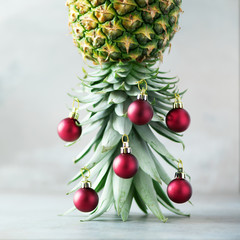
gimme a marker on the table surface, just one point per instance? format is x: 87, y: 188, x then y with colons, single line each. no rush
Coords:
x: 24, y: 216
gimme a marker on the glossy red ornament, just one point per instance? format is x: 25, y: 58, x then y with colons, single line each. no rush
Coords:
x: 125, y: 165
x: 69, y: 129
x: 85, y: 199
x: 140, y: 112
x: 179, y: 190
x: 178, y: 119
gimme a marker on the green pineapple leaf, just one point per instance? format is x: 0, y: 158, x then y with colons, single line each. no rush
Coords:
x: 144, y: 186
x: 121, y: 188
x: 127, y: 205
x: 106, y: 199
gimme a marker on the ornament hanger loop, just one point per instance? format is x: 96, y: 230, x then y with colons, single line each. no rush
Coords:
x: 82, y: 172
x: 177, y: 97
x: 180, y: 164
x: 78, y: 103
x: 177, y: 102
x: 125, y: 135
x: 143, y: 90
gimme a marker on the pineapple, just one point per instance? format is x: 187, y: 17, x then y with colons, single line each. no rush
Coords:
x: 123, y: 30
x: 125, y: 39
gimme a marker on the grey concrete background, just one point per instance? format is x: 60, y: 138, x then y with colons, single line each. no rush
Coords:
x: 39, y: 64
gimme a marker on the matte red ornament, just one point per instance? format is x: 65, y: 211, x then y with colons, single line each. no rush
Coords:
x: 140, y: 112
x: 85, y: 199
x: 69, y: 129
x: 179, y: 190
x: 125, y: 165
x: 178, y: 119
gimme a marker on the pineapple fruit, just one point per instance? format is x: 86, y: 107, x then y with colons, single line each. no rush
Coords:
x: 123, y: 30
x: 125, y: 39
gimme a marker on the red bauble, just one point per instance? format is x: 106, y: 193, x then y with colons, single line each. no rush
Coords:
x: 178, y: 119
x: 140, y: 112
x: 69, y: 129
x: 125, y: 165
x: 179, y: 190
x: 85, y: 199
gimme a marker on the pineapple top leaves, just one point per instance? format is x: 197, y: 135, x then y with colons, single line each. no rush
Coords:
x: 123, y: 30
x: 109, y: 91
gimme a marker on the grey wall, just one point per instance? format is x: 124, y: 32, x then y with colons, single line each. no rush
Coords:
x: 39, y: 65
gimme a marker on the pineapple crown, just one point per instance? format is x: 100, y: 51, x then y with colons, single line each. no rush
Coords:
x: 123, y: 30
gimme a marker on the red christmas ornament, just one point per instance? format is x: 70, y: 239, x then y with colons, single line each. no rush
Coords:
x: 179, y: 189
x: 140, y: 112
x: 125, y: 165
x: 69, y: 129
x: 178, y: 119
x: 85, y: 199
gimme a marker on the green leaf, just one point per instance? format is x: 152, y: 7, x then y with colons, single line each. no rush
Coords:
x: 155, y: 84
x: 158, y: 97
x: 122, y: 124
x: 119, y: 86
x: 148, y: 136
x: 93, y: 126
x: 103, y: 105
x: 127, y: 205
x: 97, y: 116
x: 144, y: 187
x: 140, y: 76
x: 117, y: 97
x: 103, y: 91
x: 139, y: 201
x: 110, y: 137
x: 121, y: 108
x: 103, y: 66
x: 164, y: 131
x: 122, y: 68
x: 99, y: 182
x: 162, y: 173
x: 100, y: 73
x: 98, y: 155
x: 111, y: 78
x: 122, y: 74
x: 141, y: 69
x: 99, y: 85
x: 91, y: 79
x: 89, y: 98
x: 120, y: 191
x: 106, y: 199
x: 134, y: 91
x: 142, y: 153
x: 174, y: 210
x: 162, y: 194
x: 94, y: 172
x: 156, y: 117
x: 127, y: 87
x: 131, y: 80
x: 87, y: 149
x: 158, y: 107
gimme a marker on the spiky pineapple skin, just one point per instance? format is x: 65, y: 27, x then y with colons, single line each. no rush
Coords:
x: 123, y: 30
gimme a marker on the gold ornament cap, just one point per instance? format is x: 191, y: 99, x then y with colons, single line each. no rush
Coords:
x: 143, y: 91
x: 178, y: 103
x: 180, y: 173
x: 125, y: 148
x: 85, y: 183
x: 142, y: 96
